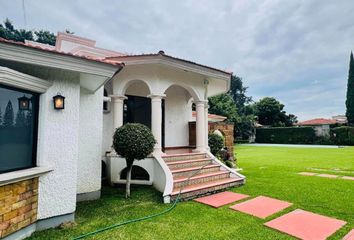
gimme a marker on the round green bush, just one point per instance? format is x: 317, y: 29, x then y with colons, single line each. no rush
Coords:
x: 133, y: 141
x: 216, y: 143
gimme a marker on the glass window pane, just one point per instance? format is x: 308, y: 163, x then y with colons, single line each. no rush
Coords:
x: 18, y: 128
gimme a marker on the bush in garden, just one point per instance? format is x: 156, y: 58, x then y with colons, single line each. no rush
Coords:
x: 216, y: 143
x: 133, y: 141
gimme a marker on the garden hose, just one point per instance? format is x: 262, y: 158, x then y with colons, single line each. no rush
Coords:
x: 116, y: 225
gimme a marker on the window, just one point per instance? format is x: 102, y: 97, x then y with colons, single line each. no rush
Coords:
x: 18, y: 128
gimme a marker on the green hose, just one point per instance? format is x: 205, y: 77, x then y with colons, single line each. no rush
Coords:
x: 142, y: 218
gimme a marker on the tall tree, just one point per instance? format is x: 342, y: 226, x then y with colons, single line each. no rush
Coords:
x: 238, y: 93
x: 45, y: 37
x: 8, y: 115
x: 350, y: 92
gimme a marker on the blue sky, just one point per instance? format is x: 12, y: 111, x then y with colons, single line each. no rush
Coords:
x: 296, y: 51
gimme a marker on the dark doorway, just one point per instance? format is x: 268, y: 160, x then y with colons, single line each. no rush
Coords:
x: 138, y: 110
x: 138, y: 173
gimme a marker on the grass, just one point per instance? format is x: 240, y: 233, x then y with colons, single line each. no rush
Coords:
x: 270, y: 171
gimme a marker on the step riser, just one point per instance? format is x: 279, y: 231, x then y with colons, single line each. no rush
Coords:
x: 201, y: 180
x: 189, y: 165
x: 194, y: 194
x: 189, y: 173
x: 185, y: 157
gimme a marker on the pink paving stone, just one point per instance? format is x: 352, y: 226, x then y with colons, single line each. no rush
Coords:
x: 307, y: 173
x: 348, y: 178
x: 306, y: 225
x: 261, y: 206
x: 221, y: 199
x: 327, y: 175
x: 349, y: 236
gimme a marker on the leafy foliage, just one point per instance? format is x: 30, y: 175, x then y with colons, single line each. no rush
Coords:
x: 350, y: 92
x: 216, y: 143
x: 286, y: 135
x: 133, y: 141
x: 8, y: 31
x: 238, y: 93
x: 224, y: 105
x: 270, y: 112
x: 343, y: 135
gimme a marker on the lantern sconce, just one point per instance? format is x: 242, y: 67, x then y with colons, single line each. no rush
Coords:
x: 23, y: 103
x: 58, y: 101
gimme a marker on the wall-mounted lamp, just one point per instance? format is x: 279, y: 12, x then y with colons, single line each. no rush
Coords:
x: 59, y: 101
x: 23, y: 103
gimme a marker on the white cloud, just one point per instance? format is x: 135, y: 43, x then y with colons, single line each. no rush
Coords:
x: 296, y: 51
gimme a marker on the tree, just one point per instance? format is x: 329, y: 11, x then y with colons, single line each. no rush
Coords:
x: 9, y: 115
x: 224, y: 105
x: 216, y: 143
x: 8, y: 31
x: 133, y: 141
x: 238, y: 93
x: 0, y: 117
x: 20, y: 119
x: 350, y: 92
x: 270, y: 112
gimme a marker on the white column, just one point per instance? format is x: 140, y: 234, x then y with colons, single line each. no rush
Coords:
x: 200, y: 126
x: 156, y: 121
x: 206, y: 123
x: 118, y: 103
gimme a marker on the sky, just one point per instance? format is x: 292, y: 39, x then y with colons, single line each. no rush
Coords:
x: 296, y: 51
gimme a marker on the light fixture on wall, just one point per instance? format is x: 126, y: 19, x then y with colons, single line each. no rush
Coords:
x: 59, y: 101
x: 23, y: 103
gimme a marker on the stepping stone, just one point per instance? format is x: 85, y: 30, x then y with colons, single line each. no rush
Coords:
x: 261, y: 206
x: 348, y: 178
x: 307, y: 173
x: 221, y: 199
x: 349, y: 236
x: 306, y: 225
x: 327, y: 175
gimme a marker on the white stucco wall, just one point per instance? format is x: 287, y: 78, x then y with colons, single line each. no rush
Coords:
x: 58, y: 139
x: 178, y: 111
x: 90, y: 141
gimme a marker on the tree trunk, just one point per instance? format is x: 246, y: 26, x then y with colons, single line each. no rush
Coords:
x: 129, y: 174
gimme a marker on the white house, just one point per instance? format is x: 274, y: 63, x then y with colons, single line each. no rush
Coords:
x: 51, y: 154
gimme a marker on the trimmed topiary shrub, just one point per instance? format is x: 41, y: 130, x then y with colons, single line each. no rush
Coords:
x: 216, y: 143
x: 133, y: 141
x: 286, y: 135
x: 343, y: 135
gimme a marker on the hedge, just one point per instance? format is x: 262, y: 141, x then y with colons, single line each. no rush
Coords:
x: 343, y: 135
x: 286, y: 135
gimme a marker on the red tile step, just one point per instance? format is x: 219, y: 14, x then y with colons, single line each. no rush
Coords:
x: 190, y: 170
x: 261, y: 206
x: 221, y: 199
x: 200, y: 178
x: 306, y: 225
x: 349, y: 236
x: 201, y: 186
x: 188, y: 163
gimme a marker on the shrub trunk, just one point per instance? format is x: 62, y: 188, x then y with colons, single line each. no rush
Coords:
x: 129, y: 176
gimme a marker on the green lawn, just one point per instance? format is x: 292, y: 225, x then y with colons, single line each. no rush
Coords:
x: 270, y: 171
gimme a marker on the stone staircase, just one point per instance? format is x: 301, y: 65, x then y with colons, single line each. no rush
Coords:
x: 208, y: 175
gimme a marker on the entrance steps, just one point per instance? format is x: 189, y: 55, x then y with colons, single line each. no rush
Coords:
x: 206, y: 175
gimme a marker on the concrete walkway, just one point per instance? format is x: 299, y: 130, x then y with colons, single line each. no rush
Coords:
x: 291, y: 145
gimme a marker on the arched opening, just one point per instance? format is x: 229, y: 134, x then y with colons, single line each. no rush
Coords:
x: 137, y: 106
x: 138, y: 173
x: 105, y: 103
x: 178, y: 114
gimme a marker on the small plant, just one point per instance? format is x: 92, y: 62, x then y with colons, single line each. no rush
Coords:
x: 133, y: 141
x: 216, y: 143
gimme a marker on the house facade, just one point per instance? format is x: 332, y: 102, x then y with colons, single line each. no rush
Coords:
x: 52, y: 149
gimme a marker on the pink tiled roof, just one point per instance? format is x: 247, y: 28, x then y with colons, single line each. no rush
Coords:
x: 211, y: 116
x: 46, y: 49
x: 317, y: 121
x: 162, y: 53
